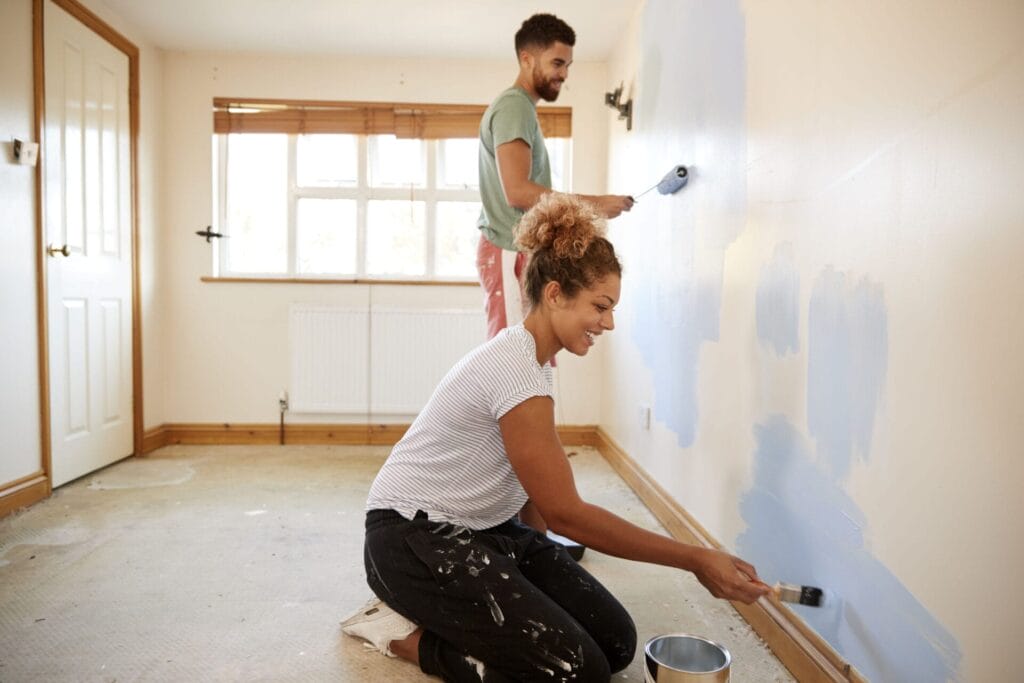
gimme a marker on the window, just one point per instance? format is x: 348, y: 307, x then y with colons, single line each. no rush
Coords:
x: 350, y: 205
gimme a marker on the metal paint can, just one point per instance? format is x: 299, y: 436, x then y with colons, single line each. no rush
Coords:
x: 683, y: 658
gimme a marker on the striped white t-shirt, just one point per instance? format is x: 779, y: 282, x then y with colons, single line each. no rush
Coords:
x: 452, y: 462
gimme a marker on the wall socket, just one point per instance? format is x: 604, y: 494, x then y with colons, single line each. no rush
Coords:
x: 645, y: 416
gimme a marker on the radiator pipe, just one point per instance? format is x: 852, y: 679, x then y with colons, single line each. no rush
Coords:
x: 282, y: 403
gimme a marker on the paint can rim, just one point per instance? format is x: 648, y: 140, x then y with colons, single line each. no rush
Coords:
x: 723, y: 649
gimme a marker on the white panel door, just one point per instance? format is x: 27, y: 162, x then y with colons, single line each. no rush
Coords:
x: 87, y: 194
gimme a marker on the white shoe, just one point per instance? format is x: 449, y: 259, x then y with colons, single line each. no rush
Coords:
x: 379, y: 624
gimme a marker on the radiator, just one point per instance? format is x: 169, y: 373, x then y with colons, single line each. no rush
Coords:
x: 385, y: 361
x: 329, y: 347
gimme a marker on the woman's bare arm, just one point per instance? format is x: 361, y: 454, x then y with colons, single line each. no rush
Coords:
x: 539, y: 461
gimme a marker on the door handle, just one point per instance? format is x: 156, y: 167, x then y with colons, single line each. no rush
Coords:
x: 54, y: 250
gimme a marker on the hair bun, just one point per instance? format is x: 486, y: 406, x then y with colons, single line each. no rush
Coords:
x: 563, y: 223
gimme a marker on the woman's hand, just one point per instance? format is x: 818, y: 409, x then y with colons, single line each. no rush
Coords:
x: 729, y: 577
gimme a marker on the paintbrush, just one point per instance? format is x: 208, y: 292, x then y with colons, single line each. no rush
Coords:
x: 801, y: 595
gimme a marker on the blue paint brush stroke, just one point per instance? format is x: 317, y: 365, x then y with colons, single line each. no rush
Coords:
x: 847, y: 362
x: 691, y: 110
x: 678, y: 316
x: 804, y: 529
x: 778, y: 302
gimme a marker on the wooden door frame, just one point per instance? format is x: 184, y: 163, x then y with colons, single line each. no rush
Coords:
x: 105, y: 31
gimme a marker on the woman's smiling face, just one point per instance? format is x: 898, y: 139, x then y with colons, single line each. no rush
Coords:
x: 579, y: 320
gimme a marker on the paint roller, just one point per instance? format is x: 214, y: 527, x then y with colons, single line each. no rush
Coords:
x: 673, y: 181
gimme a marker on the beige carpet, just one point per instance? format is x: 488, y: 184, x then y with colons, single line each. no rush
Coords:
x: 235, y: 563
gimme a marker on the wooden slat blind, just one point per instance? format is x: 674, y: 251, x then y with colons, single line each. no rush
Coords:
x: 404, y: 120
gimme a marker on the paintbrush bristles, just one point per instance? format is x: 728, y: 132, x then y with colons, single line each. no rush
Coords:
x: 800, y: 595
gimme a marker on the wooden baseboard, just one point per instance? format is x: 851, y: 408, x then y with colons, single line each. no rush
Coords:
x: 254, y: 434
x: 806, y: 654
x: 23, y: 492
x: 153, y: 439
x: 309, y: 434
x: 578, y: 435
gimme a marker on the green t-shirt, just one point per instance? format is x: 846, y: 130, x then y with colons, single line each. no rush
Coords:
x: 512, y: 116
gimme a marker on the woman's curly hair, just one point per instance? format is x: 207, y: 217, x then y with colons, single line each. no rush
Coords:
x: 564, y: 236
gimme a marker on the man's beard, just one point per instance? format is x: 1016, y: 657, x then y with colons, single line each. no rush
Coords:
x: 545, y: 87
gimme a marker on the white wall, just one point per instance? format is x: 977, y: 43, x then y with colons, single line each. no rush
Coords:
x: 152, y: 225
x: 21, y: 453
x: 828, y: 319
x: 227, y: 344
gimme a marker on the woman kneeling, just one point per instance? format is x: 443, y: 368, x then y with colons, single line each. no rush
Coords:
x: 469, y: 585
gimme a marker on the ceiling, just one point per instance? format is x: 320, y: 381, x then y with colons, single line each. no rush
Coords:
x: 467, y: 29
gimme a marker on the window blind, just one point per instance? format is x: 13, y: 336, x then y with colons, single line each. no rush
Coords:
x: 404, y: 120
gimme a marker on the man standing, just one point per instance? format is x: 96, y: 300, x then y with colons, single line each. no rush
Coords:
x: 514, y: 167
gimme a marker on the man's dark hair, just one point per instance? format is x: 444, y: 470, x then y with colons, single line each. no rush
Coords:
x: 542, y: 30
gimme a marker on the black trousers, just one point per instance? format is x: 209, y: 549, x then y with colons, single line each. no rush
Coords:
x: 502, y: 604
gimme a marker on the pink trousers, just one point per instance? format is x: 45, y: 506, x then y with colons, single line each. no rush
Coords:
x: 501, y: 274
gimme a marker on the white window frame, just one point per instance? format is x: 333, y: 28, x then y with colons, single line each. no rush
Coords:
x: 362, y: 193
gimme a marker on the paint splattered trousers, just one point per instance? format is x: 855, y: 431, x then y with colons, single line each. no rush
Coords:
x: 501, y: 604
x: 500, y: 274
